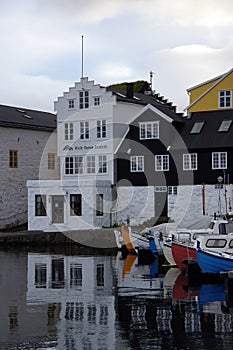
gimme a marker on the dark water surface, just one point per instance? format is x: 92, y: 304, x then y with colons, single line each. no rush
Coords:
x: 105, y: 302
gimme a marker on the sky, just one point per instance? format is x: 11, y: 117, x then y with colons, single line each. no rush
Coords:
x: 184, y: 42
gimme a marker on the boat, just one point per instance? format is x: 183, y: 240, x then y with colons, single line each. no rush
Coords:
x: 215, y: 253
x: 183, y: 247
x: 185, y: 238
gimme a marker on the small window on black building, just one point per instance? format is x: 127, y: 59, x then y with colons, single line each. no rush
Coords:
x: 75, y: 204
x: 197, y: 127
x: 40, y: 205
x: 225, y: 126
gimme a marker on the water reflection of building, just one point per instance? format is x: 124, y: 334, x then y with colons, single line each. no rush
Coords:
x: 78, y: 290
x: 171, y: 320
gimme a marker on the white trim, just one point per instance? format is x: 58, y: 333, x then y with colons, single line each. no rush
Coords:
x: 136, y: 162
x: 144, y: 109
x: 221, y: 77
x: 189, y: 161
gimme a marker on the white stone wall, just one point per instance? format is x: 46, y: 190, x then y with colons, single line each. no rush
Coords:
x: 87, y: 188
x: 30, y: 145
x: 189, y: 202
x: 135, y: 204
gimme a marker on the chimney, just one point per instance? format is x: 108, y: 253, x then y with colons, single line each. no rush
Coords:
x: 129, y: 90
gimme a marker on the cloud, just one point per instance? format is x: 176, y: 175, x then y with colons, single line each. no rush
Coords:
x: 182, y: 41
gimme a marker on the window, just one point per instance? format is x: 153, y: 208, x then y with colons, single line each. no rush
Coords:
x: 197, y: 127
x: 74, y: 165
x: 225, y: 98
x: 40, y: 205
x: 76, y: 275
x: 219, y: 160
x: 160, y: 188
x: 78, y: 165
x: 172, y: 190
x: 162, y: 162
x: 90, y: 164
x: 51, y: 161
x: 75, y: 204
x: 99, y: 204
x: 225, y: 126
x: 84, y: 130
x: 13, y: 158
x: 100, y: 275
x: 69, y: 131
x: 190, y: 161
x: 40, y: 275
x: 102, y: 164
x: 96, y: 101
x: 83, y: 99
x: 71, y: 104
x: 69, y: 165
x: 136, y: 163
x: 101, y: 129
x: 149, y: 130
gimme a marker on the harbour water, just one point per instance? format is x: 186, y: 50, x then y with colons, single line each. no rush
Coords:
x: 96, y: 301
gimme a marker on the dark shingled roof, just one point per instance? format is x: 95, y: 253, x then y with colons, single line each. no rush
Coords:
x: 144, y: 97
x: 209, y: 136
x: 26, y: 118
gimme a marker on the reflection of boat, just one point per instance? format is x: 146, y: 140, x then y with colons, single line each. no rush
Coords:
x: 169, y: 281
x: 209, y: 297
x: 181, y: 291
x: 215, y: 253
x: 136, y: 279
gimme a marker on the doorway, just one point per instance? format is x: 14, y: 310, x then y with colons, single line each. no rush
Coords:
x: 57, y: 209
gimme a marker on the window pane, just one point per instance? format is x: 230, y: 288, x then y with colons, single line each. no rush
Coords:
x: 99, y: 205
x: 75, y: 204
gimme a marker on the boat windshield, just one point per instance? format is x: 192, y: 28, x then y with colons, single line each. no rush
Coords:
x: 216, y: 243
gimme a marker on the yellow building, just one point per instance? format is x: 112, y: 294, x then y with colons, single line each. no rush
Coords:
x: 214, y: 94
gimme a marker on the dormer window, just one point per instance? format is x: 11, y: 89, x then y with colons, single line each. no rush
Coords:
x: 149, y: 130
x: 225, y: 99
x: 83, y: 99
x: 197, y: 127
x: 225, y: 126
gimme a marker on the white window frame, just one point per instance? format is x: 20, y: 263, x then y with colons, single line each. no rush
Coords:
x: 102, y: 164
x: 136, y: 164
x: 96, y: 100
x: 101, y: 129
x: 90, y: 165
x: 162, y: 162
x: 223, y: 97
x: 172, y: 190
x: 219, y: 160
x: 190, y: 161
x: 71, y: 103
x: 84, y: 99
x: 73, y: 165
x: 84, y: 130
x: 68, y: 131
x: 149, y: 130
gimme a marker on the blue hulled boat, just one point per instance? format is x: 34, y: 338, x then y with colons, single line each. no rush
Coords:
x: 215, y: 253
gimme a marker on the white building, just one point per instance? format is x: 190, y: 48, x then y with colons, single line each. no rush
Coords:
x: 91, y: 122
